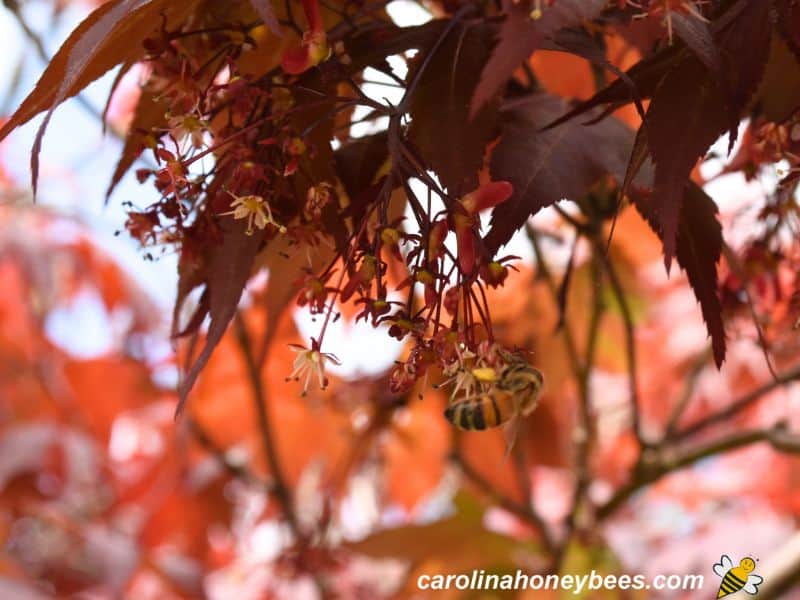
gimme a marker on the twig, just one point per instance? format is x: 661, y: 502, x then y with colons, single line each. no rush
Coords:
x: 686, y: 395
x: 737, y: 406
x: 526, y: 513
x: 583, y: 442
x: 237, y: 470
x: 546, y: 274
x: 279, y: 487
x: 290, y: 20
x: 630, y: 340
x: 665, y: 461
x: 736, y: 267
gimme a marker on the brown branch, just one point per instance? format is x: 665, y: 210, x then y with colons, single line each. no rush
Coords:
x: 221, y: 456
x: 545, y: 273
x: 737, y: 406
x: 660, y: 462
x: 279, y: 487
x: 781, y: 570
x: 526, y: 513
x: 523, y: 472
x: 630, y: 339
x: 583, y: 441
x: 741, y: 274
x: 686, y: 395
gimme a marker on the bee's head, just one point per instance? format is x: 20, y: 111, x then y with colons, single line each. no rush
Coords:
x: 519, y: 376
x: 747, y: 563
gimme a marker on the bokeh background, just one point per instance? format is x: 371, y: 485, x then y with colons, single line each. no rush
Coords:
x: 104, y: 495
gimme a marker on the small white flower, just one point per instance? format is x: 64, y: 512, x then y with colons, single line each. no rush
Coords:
x: 310, y: 362
x: 255, y: 209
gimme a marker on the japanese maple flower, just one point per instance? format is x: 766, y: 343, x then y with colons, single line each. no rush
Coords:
x: 311, y: 362
x: 486, y: 196
x: 313, y: 48
x: 188, y: 126
x: 255, y: 209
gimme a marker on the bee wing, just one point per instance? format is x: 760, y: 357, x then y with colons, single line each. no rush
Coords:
x: 723, y: 566
x: 753, y: 581
x: 510, y: 431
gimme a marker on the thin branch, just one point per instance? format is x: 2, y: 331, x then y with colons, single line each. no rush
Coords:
x: 686, y: 395
x: 738, y: 405
x: 526, y: 513
x: 738, y: 270
x: 279, y: 487
x: 547, y: 275
x: 221, y: 456
x: 665, y: 461
x: 583, y: 442
x: 630, y: 339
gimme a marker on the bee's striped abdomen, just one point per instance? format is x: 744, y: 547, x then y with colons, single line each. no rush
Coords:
x: 482, y: 412
x: 730, y: 584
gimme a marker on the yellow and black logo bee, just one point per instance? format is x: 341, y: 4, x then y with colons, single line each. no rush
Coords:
x: 514, y: 395
x: 737, y: 578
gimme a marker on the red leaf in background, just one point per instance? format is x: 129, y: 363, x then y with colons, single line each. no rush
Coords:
x: 440, y: 108
x: 416, y: 456
x: 520, y: 36
x: 91, y: 381
x: 178, y: 515
x: 547, y: 166
x: 580, y: 43
x: 698, y: 249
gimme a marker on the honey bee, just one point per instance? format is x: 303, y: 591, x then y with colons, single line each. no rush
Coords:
x: 513, y: 396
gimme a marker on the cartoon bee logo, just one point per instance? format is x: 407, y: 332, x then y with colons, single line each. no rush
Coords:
x: 737, y: 578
